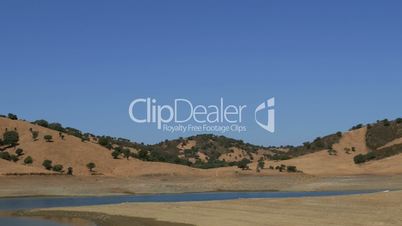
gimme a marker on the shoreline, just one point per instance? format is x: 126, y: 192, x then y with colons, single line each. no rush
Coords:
x: 357, y: 209
x: 91, y: 218
x: 48, y: 186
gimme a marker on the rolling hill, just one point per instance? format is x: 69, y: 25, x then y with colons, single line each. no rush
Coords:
x: 371, y: 149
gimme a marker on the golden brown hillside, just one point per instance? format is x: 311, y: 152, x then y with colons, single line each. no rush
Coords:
x: 71, y: 151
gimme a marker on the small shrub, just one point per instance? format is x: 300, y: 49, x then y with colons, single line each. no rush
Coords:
x: 48, y: 138
x: 5, y: 155
x: 91, y: 166
x: 116, y: 154
x: 291, y: 169
x: 19, y: 152
x: 58, y: 168
x: 261, y: 163
x: 28, y: 160
x: 14, y: 158
x: 126, y: 153
x: 47, y: 164
x: 35, y: 135
x: 358, y: 126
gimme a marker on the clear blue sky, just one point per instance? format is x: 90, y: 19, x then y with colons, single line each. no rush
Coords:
x: 330, y: 64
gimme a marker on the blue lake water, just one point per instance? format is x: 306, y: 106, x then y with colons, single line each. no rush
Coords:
x: 7, y: 204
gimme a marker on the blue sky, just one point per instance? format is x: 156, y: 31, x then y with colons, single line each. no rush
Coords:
x: 329, y: 64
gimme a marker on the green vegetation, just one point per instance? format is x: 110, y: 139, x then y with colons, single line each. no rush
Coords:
x: 243, y: 164
x: 331, y: 151
x: 358, y: 126
x: 116, y: 154
x: 41, y: 122
x: 378, y: 154
x: 59, y: 127
x: 281, y: 168
x: 320, y: 143
x: 13, y: 158
x: 91, y: 166
x: 143, y: 155
x: 56, y: 126
x: 58, y: 168
x: 19, y: 152
x: 35, y: 135
x: 103, y: 141
x: 10, y: 138
x: 126, y: 153
x: 28, y: 160
x: 291, y: 169
x: 12, y: 116
x: 383, y: 132
x: 48, y: 138
x: 47, y: 164
x: 261, y: 163
x: 5, y: 155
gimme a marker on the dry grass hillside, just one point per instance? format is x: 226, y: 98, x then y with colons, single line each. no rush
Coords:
x: 72, y: 152
x: 341, y: 163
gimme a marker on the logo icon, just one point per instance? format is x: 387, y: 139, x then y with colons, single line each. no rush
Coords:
x: 269, y: 106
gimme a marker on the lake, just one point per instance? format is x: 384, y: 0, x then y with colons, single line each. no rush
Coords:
x: 11, y: 204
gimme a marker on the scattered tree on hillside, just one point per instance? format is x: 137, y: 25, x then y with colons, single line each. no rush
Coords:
x: 28, y: 160
x: 58, y: 168
x: 10, y: 138
x: 358, y: 126
x: 70, y: 171
x: 13, y: 158
x: 143, y: 155
x: 243, y: 164
x: 5, y: 155
x: 48, y: 138
x: 116, y: 154
x: 291, y: 169
x: 261, y: 163
x: 56, y: 126
x: 47, y: 164
x: 103, y: 141
x: 91, y: 166
x: 126, y: 153
x: 12, y: 116
x: 42, y: 123
x: 331, y: 151
x: 19, y: 152
x: 386, y: 122
x: 35, y: 135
